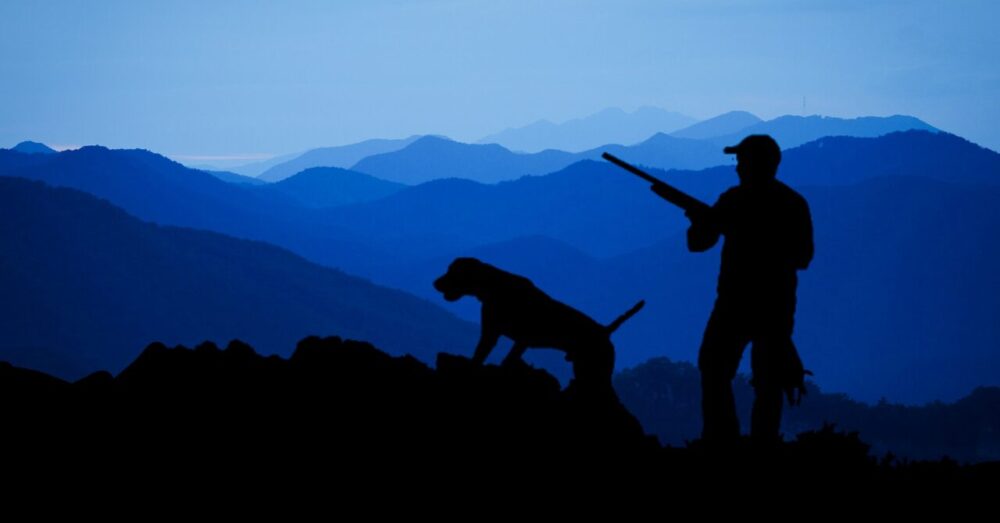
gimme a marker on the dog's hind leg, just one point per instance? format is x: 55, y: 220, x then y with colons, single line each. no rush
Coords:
x: 516, y: 354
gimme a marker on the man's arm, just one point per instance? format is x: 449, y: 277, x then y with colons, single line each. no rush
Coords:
x: 704, y: 231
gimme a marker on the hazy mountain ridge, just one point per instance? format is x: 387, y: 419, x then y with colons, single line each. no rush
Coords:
x: 406, y: 239
x: 85, y: 283
x: 792, y: 131
x: 319, y: 187
x: 343, y: 156
x: 721, y: 125
x: 611, y: 125
x: 666, y: 397
x: 432, y: 158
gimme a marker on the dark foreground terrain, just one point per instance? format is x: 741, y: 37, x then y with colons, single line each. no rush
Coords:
x: 345, y: 410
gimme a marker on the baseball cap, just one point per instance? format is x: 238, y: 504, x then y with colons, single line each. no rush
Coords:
x: 756, y: 145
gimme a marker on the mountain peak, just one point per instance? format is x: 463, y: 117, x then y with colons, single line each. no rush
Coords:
x: 320, y: 187
x: 432, y: 139
x: 29, y: 147
x: 343, y: 156
x: 726, y: 123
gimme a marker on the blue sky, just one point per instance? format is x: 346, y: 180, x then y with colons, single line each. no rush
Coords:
x: 252, y: 79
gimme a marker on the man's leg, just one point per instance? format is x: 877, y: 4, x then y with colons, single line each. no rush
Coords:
x: 718, y: 360
x: 765, y: 422
x: 771, y: 361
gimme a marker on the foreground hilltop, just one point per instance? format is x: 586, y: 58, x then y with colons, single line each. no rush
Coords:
x: 345, y: 406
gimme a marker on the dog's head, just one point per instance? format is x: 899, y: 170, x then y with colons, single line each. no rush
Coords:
x: 464, y: 278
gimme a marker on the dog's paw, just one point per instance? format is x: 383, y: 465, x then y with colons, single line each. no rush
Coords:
x: 511, y: 363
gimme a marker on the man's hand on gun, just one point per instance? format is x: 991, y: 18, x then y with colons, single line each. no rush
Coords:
x: 698, y: 214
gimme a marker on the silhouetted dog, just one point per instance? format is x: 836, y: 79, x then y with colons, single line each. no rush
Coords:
x: 515, y: 308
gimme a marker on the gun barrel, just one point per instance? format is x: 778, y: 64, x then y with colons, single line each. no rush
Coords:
x: 665, y: 190
x: 630, y: 168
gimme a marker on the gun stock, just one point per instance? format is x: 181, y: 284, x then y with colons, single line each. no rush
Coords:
x: 661, y: 188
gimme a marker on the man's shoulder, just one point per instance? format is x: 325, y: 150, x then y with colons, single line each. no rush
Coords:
x: 731, y: 193
x: 787, y: 192
x: 775, y: 191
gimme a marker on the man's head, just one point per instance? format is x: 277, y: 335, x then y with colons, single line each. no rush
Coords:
x: 757, y: 158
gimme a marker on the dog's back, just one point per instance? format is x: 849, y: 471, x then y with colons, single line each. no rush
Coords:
x: 529, y: 315
x: 514, y: 307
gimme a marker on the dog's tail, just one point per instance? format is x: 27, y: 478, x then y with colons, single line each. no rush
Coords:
x: 613, y: 326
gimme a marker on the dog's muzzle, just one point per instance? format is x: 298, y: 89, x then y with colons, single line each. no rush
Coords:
x: 442, y: 286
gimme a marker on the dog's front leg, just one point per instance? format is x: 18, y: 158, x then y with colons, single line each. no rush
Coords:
x: 488, y: 338
x: 516, y: 354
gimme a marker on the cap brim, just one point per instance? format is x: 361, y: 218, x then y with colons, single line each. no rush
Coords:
x: 732, y: 149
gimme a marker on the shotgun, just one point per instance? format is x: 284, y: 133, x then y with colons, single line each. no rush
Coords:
x: 663, y: 189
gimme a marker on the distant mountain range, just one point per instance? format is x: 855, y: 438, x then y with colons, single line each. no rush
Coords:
x: 156, y: 189
x: 605, y: 211
x: 255, y: 169
x: 896, y: 303
x: 232, y: 177
x: 593, y: 206
x: 841, y: 160
x: 876, y: 230
x: 615, y: 127
x: 432, y: 158
x: 344, y: 156
x: 331, y: 187
x: 906, y: 207
x: 722, y: 125
x: 793, y: 131
x: 86, y: 286
x: 608, y: 126
x: 654, y: 144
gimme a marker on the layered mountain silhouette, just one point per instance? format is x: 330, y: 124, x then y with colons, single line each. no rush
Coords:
x: 590, y: 205
x: 418, y: 159
x: 611, y: 125
x: 605, y: 211
x: 343, y: 156
x: 723, y: 125
x: 792, y: 131
x: 666, y: 397
x: 873, y: 236
x: 330, y: 187
x: 232, y: 177
x: 159, y: 190
x: 432, y: 158
x: 843, y: 160
x: 11, y: 160
x: 863, y: 326
x: 665, y: 151
x: 256, y: 168
x: 84, y: 283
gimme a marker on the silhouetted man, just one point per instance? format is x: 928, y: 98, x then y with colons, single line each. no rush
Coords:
x: 768, y: 237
